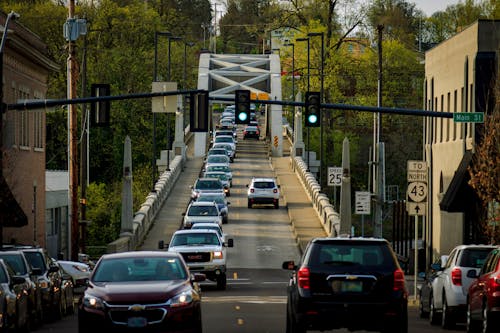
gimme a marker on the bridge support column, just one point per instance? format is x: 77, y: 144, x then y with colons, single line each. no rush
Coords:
x: 179, y: 147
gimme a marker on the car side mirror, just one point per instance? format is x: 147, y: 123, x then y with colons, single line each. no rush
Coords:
x: 436, y: 267
x: 289, y: 265
x: 279, y: 186
x: 53, y: 269
x: 17, y: 280
x: 472, y: 274
x: 230, y: 242
x: 246, y: 185
x: 161, y: 245
x: 36, y: 271
x: 228, y: 203
x: 421, y: 275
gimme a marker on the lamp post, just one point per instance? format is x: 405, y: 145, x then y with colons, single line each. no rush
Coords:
x: 169, y: 142
x: 11, y: 16
x: 308, y: 87
x: 155, y: 78
x: 313, y: 34
x: 293, y: 80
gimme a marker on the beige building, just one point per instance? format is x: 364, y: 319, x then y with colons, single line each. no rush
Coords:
x: 26, y: 67
x: 459, y: 77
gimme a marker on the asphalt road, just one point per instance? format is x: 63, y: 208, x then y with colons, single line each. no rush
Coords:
x: 254, y: 300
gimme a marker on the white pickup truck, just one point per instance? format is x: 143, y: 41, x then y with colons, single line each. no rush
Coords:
x: 204, y: 251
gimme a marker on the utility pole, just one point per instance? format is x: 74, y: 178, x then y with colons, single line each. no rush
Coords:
x: 72, y: 73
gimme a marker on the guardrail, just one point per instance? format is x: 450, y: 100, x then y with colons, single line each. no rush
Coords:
x: 330, y: 219
x: 146, y: 214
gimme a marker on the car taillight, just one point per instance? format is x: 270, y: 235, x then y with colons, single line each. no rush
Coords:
x: 456, y: 277
x: 399, y: 280
x: 495, y: 282
x: 275, y: 191
x: 252, y: 190
x: 303, y: 278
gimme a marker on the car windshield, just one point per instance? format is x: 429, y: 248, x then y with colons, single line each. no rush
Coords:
x: 36, y: 260
x: 218, y: 168
x: 217, y: 159
x: 209, y: 227
x: 350, y: 254
x: 195, y: 239
x: 211, y: 198
x: 208, y: 185
x: 263, y: 184
x: 139, y: 269
x: 202, y: 211
x: 221, y: 176
x: 217, y: 152
x: 224, y: 139
x: 474, y: 257
x: 16, y: 262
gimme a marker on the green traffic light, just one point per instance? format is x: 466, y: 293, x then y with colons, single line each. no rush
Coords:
x: 242, y: 116
x: 312, y: 119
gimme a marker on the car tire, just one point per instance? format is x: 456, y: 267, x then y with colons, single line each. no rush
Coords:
x: 447, y: 320
x: 277, y: 204
x: 422, y: 313
x: 292, y: 326
x: 434, y: 316
x: 222, y: 281
x: 398, y: 324
x: 472, y: 326
x: 488, y: 326
x: 249, y: 204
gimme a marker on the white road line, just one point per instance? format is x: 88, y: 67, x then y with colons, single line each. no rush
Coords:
x: 245, y: 299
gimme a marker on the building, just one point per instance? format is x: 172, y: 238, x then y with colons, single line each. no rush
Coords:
x: 26, y: 68
x: 460, y: 76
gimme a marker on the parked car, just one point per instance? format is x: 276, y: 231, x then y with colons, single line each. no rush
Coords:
x: 16, y: 260
x: 483, y: 300
x: 206, y: 185
x: 79, y: 271
x: 14, y: 300
x: 141, y: 290
x: 451, y: 285
x: 204, y: 252
x: 263, y: 191
x: 425, y: 290
x: 221, y: 201
x: 353, y: 283
x: 200, y: 211
x: 67, y: 291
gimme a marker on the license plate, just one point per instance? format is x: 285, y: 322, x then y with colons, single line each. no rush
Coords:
x: 137, y: 322
x: 347, y: 286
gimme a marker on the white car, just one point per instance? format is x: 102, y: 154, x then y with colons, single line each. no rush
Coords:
x: 220, y: 167
x: 263, y: 191
x: 448, y: 303
x: 198, y: 212
x: 211, y: 226
x: 226, y: 139
x: 79, y: 271
x: 204, y: 252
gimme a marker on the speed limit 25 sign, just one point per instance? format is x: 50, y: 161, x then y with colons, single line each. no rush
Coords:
x: 334, y: 176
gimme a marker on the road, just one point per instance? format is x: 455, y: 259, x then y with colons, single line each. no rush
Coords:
x: 254, y: 300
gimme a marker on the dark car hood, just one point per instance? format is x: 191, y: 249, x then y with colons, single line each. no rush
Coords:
x: 136, y: 292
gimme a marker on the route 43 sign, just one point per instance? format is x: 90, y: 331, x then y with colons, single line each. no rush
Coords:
x: 416, y: 194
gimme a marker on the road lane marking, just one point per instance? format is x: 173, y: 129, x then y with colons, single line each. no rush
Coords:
x: 245, y: 299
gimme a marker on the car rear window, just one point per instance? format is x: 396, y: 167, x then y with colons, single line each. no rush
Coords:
x: 349, y: 254
x: 203, y: 211
x: 474, y: 257
x: 16, y: 262
x: 263, y: 184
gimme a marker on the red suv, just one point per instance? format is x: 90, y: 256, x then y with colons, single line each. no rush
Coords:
x: 353, y: 283
x: 483, y: 301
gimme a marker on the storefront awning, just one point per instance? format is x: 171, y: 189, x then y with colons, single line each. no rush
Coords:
x: 11, y: 214
x: 459, y: 192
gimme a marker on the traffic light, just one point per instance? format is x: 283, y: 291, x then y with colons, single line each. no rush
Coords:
x: 242, y: 106
x: 198, y: 112
x: 313, y: 109
x: 100, y: 110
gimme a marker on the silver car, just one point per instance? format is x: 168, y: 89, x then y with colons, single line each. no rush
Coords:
x: 201, y: 212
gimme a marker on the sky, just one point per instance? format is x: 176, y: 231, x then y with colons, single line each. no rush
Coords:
x: 429, y: 7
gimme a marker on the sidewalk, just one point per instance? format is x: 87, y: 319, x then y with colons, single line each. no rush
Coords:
x: 305, y: 222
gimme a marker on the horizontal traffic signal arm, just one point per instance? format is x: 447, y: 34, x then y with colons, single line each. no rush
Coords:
x: 42, y: 104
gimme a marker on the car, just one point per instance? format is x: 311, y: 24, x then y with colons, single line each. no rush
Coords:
x: 221, y: 175
x: 67, y: 291
x: 425, y: 290
x: 49, y: 280
x: 17, y: 261
x: 201, y: 211
x: 347, y: 282
x: 483, y: 300
x: 14, y: 300
x: 263, y: 191
x: 221, y: 201
x: 211, y: 226
x: 217, y: 159
x: 251, y: 132
x: 220, y: 167
x: 206, y: 185
x: 216, y: 151
x: 79, y: 271
x: 230, y: 151
x: 139, y: 291
x: 451, y: 285
x: 225, y: 139
x: 204, y: 252
x: 229, y: 132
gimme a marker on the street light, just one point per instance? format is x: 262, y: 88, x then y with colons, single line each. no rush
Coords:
x: 155, y: 78
x: 308, y: 87
x: 169, y: 141
x: 313, y: 34
x: 293, y: 80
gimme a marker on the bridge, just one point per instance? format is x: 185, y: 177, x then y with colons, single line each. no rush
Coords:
x: 310, y: 212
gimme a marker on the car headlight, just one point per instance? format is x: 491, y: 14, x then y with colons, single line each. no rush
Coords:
x: 43, y: 284
x: 93, y: 302
x: 183, y: 299
x: 218, y: 255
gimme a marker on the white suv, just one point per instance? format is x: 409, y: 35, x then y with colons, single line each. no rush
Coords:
x: 263, y: 191
x: 450, y: 287
x: 201, y: 212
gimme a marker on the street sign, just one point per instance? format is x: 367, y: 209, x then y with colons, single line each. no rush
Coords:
x: 334, y: 176
x: 417, y: 171
x: 468, y: 117
x: 416, y: 208
x: 362, y: 203
x: 417, y: 191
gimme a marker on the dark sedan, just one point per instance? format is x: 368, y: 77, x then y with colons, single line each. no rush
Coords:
x: 14, y: 300
x: 251, y: 132
x: 146, y: 291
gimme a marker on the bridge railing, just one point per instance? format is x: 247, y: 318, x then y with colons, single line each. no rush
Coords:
x: 148, y: 210
x: 330, y: 219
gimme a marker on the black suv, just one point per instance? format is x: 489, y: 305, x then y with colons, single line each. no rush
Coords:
x: 49, y: 280
x: 353, y: 283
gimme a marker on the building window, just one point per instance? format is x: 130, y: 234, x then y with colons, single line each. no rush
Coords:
x: 434, y: 121
x: 455, y: 101
x: 37, y: 129
x: 23, y: 127
x: 441, y: 121
x: 462, y: 107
